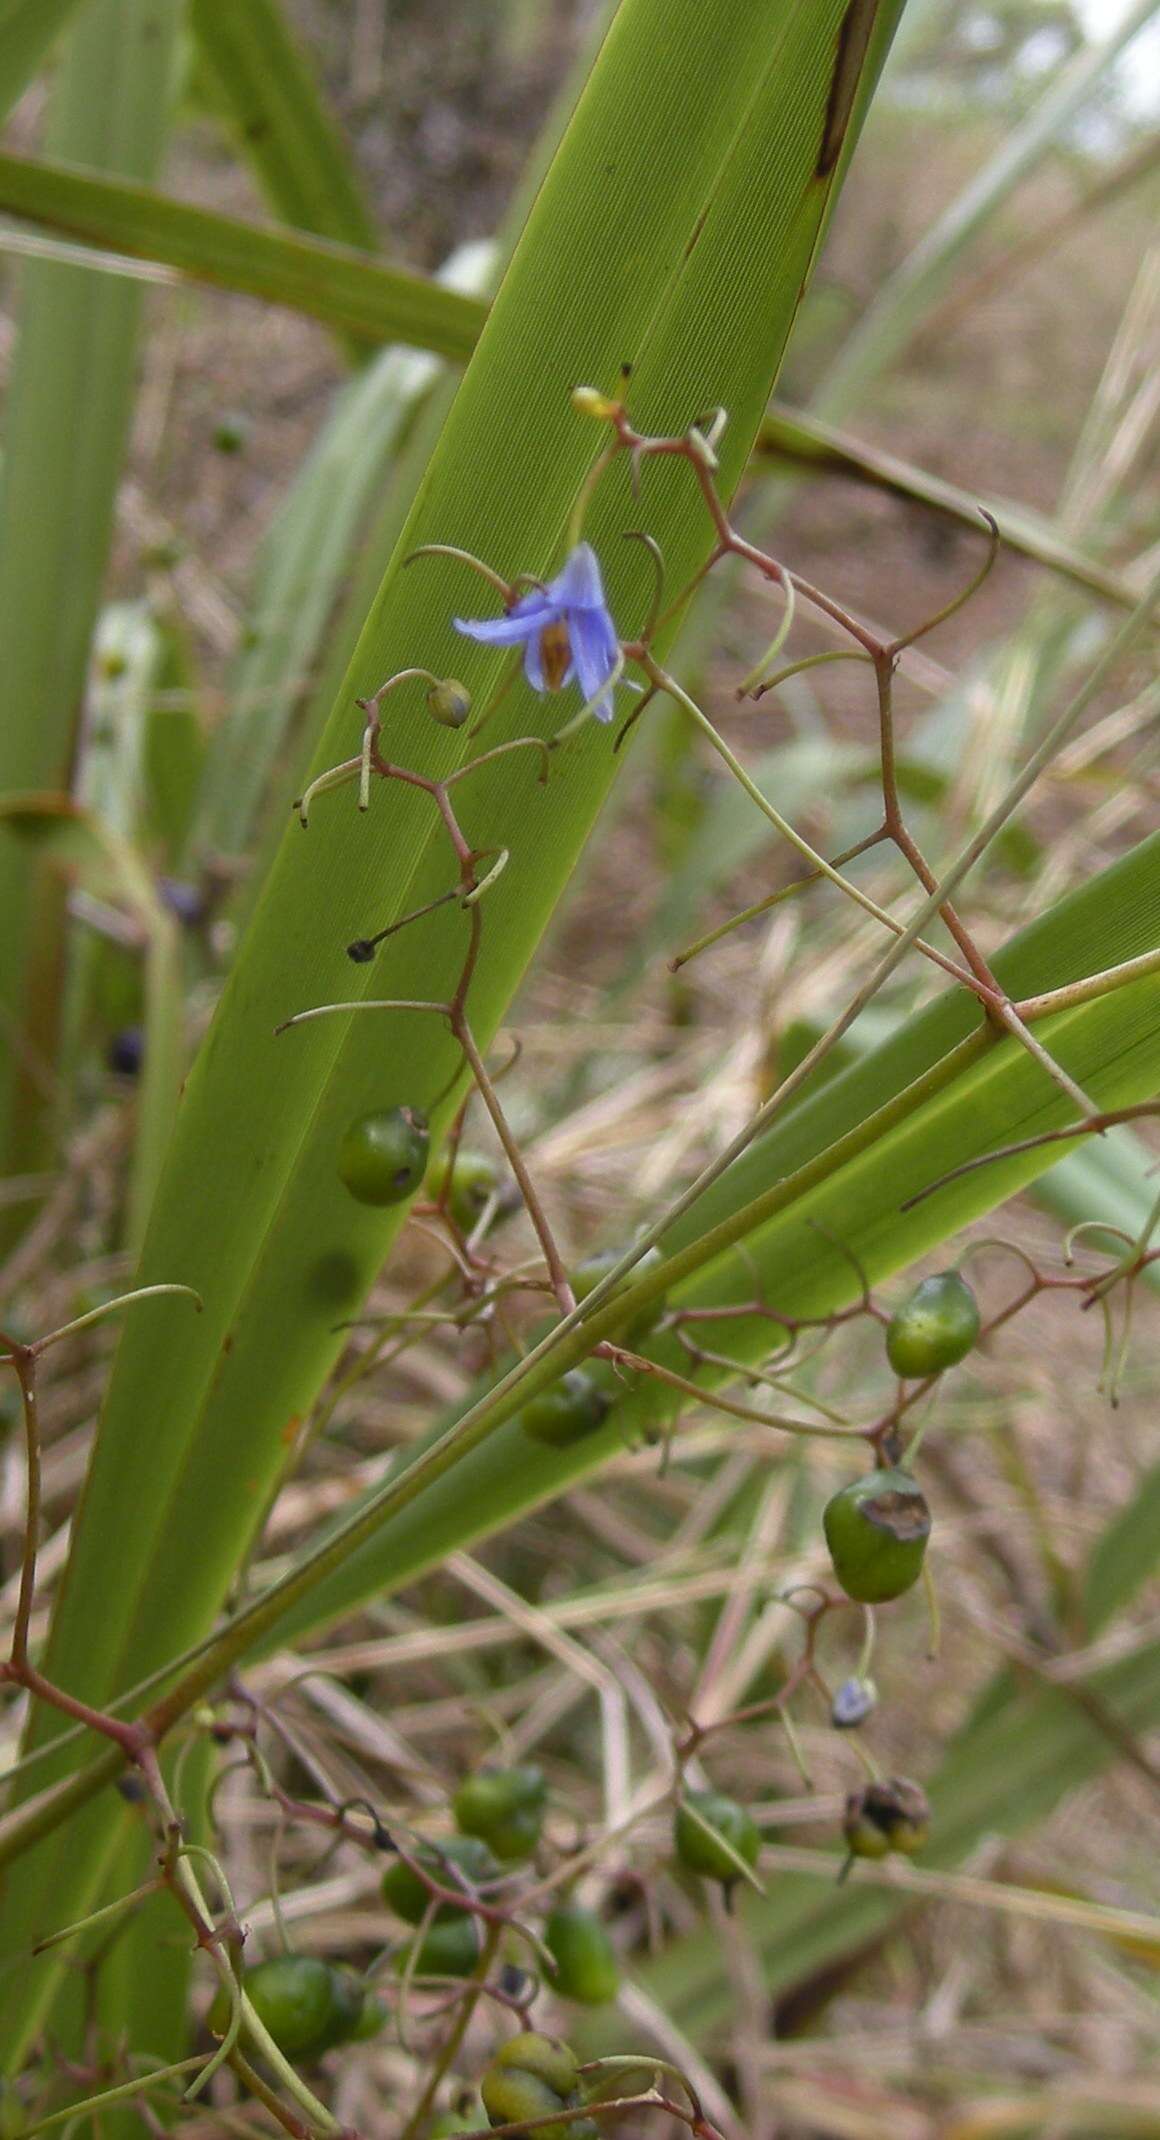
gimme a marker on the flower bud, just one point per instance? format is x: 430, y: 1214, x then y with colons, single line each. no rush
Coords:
x: 449, y: 703
x: 855, y: 1700
x: 589, y: 401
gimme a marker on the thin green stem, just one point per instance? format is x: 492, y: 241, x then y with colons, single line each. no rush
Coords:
x: 798, y: 668
x: 772, y: 899
x: 455, y: 2036
x: 734, y: 1408
x: 111, y: 1307
x: 818, y: 863
x: 122, y: 2093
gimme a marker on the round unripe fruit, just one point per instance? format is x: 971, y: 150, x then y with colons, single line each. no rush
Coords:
x: 294, y: 1997
x: 888, y: 1815
x: 371, y: 2019
x: 474, y: 1179
x: 405, y: 1894
x: 382, y: 1156
x: 534, y: 2076
x: 567, y: 1412
x: 504, y: 1806
x: 445, y: 1950
x: 876, y: 1529
x: 936, y: 1327
x: 587, y: 1276
x: 348, y: 1998
x: 710, y: 1833
x: 585, y: 1958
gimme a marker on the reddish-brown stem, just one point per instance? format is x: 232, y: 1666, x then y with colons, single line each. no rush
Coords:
x: 993, y: 995
x: 22, y: 1360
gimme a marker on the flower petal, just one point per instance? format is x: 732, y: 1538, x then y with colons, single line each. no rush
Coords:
x: 596, y: 649
x: 579, y: 585
x: 524, y: 623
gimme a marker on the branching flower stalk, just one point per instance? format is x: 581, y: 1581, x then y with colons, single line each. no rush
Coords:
x: 564, y: 631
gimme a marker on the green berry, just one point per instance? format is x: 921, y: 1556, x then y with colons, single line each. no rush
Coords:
x: 934, y: 1328
x: 585, y: 1958
x: 405, y: 1894
x: 587, y: 1276
x: 445, y: 1950
x: 372, y: 2016
x: 534, y: 2076
x: 382, y: 1156
x: 887, y: 1815
x: 474, y: 1179
x: 505, y: 1806
x: 568, y: 1411
x: 517, y: 1837
x: 348, y: 1997
x: 711, y: 1832
x: 876, y: 1529
x: 295, y: 1997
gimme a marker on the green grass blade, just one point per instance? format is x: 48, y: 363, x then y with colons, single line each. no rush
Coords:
x: 68, y: 413
x: 348, y: 290
x: 630, y: 253
x: 28, y: 31
x: 283, y: 125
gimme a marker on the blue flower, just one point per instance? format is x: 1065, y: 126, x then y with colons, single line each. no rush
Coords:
x: 565, y: 630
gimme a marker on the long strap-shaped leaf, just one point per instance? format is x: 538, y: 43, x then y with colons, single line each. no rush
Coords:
x: 349, y: 290
x: 675, y: 231
x: 67, y: 417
